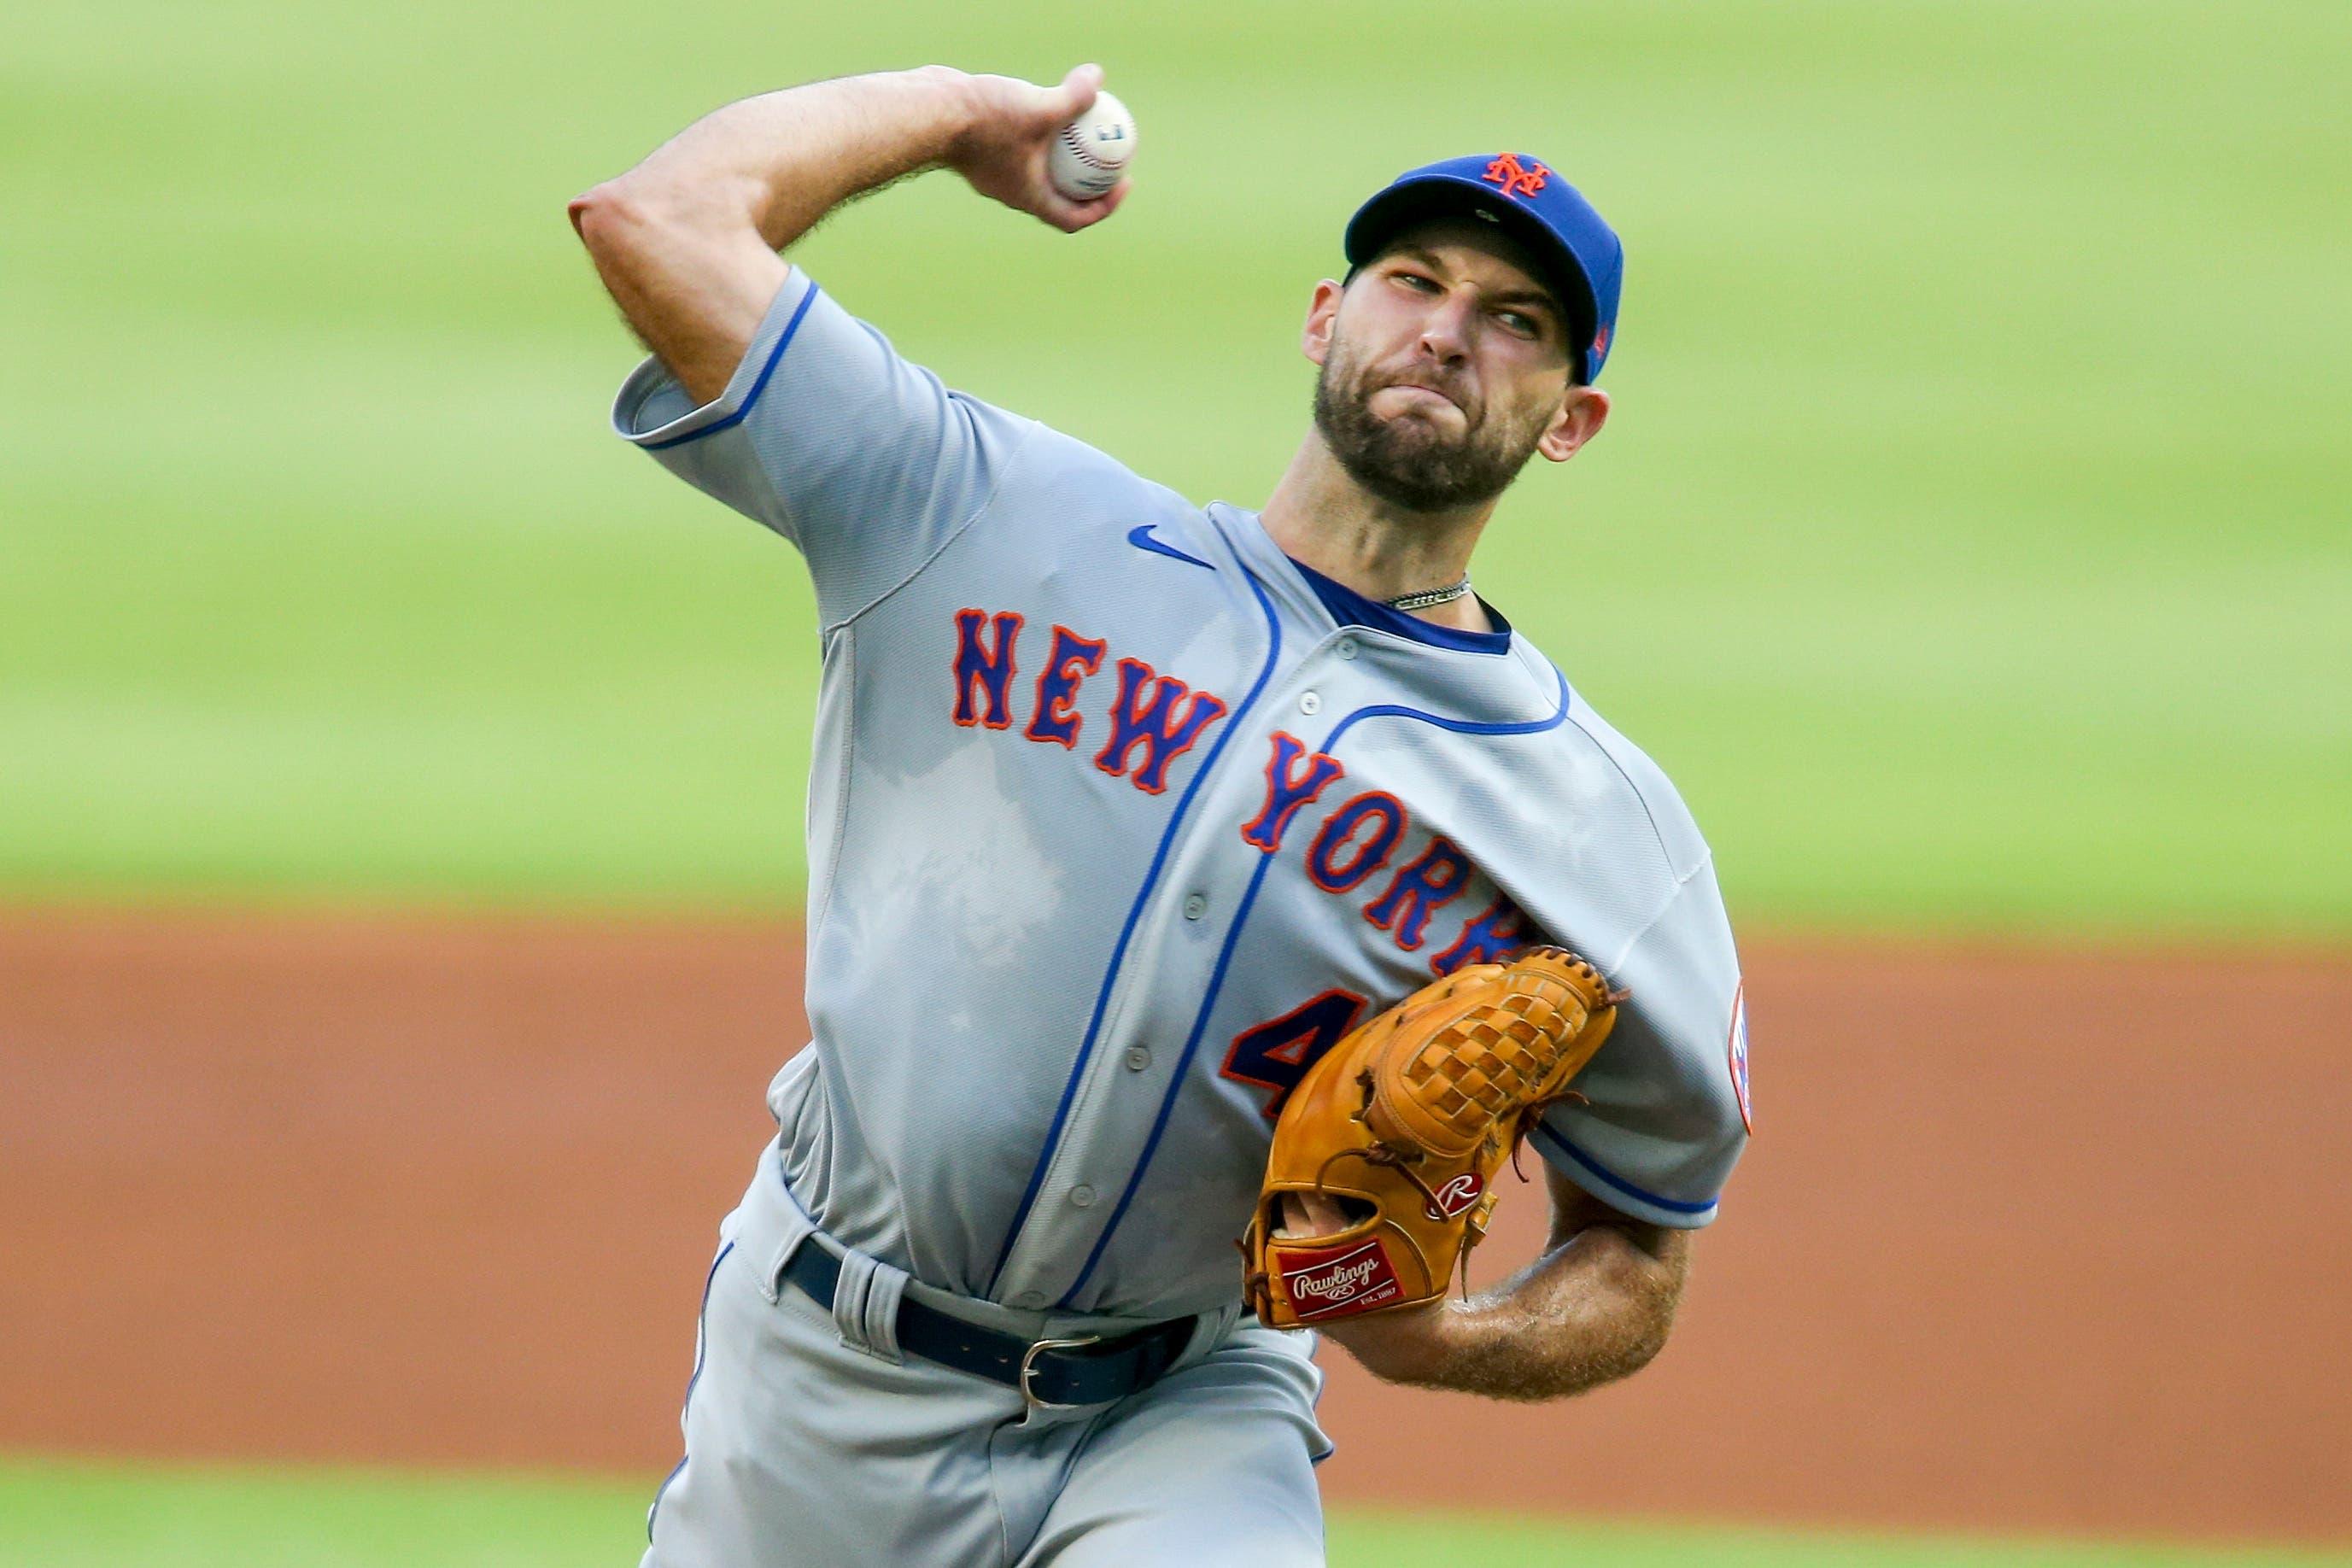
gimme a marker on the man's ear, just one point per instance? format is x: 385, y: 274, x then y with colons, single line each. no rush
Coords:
x: 1322, y: 315
x: 1581, y: 414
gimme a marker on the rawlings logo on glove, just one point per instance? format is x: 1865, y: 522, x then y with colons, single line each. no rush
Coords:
x: 1382, y: 1175
x: 1328, y: 1284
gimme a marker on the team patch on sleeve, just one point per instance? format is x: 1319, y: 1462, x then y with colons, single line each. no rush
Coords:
x: 1739, y: 1054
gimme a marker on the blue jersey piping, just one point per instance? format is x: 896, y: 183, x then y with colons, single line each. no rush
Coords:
x: 1135, y: 913
x: 1183, y: 1064
x: 702, y: 1353
x: 1612, y: 1179
x: 758, y: 387
x: 1459, y: 726
x: 1241, y: 918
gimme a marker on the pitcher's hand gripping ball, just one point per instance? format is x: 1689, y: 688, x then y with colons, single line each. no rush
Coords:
x: 1402, y: 1127
x: 1091, y: 152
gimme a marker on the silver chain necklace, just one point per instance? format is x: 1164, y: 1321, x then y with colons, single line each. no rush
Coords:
x: 1429, y: 596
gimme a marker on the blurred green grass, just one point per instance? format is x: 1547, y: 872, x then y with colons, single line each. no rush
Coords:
x: 1971, y: 544
x: 87, y: 1514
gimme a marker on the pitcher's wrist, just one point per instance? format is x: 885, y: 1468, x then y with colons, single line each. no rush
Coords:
x: 958, y: 105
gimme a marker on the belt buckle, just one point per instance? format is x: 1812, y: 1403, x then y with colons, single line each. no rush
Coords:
x: 1029, y: 1369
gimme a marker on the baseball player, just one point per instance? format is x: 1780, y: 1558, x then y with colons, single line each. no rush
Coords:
x: 1124, y: 810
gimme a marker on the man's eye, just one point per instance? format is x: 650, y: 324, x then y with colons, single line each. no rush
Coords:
x: 1519, y: 322
x: 1416, y: 279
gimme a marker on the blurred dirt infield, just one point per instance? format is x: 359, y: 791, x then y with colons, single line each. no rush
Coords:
x: 2023, y: 1242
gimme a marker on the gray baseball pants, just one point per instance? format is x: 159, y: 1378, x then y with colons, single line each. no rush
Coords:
x: 809, y: 1441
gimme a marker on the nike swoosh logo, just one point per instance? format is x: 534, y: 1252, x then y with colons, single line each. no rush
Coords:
x: 1141, y: 539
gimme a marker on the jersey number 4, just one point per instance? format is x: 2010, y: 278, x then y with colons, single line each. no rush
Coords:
x: 1277, y: 1053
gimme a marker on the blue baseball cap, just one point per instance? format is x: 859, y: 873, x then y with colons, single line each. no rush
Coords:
x: 1521, y: 196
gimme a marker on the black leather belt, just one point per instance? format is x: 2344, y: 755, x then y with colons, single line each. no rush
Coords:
x: 1055, y: 1374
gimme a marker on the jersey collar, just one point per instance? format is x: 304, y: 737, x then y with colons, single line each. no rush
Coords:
x: 1312, y: 595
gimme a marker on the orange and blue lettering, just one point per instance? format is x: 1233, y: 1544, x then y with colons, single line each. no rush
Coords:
x: 1071, y: 661
x: 976, y: 665
x: 1489, y: 937
x: 1286, y: 790
x: 1436, y: 877
x: 1277, y: 1053
x: 1324, y: 857
x: 1165, y: 725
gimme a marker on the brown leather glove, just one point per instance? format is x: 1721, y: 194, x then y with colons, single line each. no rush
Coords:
x: 1400, y: 1127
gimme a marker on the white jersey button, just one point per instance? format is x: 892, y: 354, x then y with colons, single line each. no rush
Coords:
x: 1310, y: 703
x: 1196, y: 906
x: 1345, y: 647
x: 1138, y: 1057
x: 1083, y: 1196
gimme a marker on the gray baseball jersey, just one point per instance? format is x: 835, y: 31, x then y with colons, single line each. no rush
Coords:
x: 1118, y: 817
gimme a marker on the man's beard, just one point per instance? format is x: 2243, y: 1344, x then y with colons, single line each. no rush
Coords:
x: 1410, y: 461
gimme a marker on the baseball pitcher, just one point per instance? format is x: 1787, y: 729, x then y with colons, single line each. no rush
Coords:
x: 1205, y: 904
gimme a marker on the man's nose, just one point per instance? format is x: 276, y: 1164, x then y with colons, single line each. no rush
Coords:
x: 1445, y: 330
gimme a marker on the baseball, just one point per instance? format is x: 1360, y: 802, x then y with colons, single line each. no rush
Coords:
x: 1093, y: 150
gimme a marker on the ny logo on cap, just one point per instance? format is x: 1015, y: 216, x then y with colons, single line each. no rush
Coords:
x: 1516, y: 178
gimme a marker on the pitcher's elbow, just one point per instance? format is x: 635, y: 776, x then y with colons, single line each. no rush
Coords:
x: 606, y: 214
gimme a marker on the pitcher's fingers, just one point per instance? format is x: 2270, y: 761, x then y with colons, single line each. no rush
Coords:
x: 1070, y: 216
x: 1312, y: 1214
x: 1057, y: 106
x: 1077, y: 93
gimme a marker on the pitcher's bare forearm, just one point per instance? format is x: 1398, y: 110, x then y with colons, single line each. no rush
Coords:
x: 685, y: 242
x: 1596, y: 1307
x: 781, y: 161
